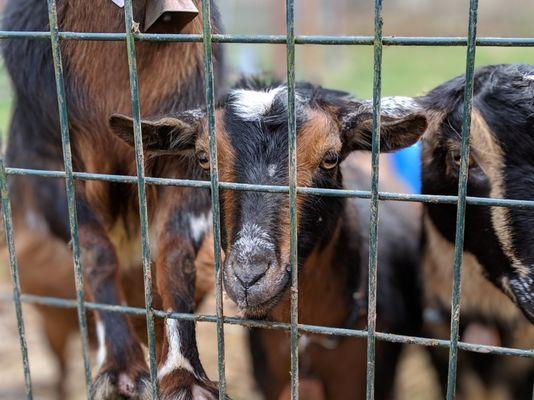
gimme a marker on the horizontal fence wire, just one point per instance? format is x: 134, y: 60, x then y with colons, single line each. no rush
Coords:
x: 274, y: 325
x: 363, y: 194
x: 328, y: 40
x: 290, y: 40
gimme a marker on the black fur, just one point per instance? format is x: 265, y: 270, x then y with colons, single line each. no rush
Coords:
x: 504, y: 96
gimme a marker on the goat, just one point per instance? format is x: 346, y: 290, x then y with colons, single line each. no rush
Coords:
x: 96, y: 78
x: 497, y: 299
x: 252, y: 142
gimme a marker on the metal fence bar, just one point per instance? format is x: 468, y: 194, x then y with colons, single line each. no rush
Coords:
x: 274, y: 325
x: 293, y: 223
x: 327, y: 40
x: 373, y: 219
x: 362, y: 194
x: 462, y: 193
x: 214, y: 186
x: 69, y: 186
x: 141, y: 190
x: 14, y: 270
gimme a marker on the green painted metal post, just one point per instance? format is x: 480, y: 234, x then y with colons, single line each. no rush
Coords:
x: 69, y: 185
x: 292, y: 190
x: 141, y: 190
x: 13, y: 268
x: 214, y: 186
x: 373, y: 222
x: 462, y: 194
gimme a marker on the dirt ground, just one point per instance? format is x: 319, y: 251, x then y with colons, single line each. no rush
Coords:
x: 415, y: 379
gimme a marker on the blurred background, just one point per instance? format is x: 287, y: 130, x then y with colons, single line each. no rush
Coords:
x: 407, y: 71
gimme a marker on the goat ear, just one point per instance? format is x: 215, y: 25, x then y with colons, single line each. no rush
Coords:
x: 522, y: 288
x: 165, y: 135
x: 402, y: 123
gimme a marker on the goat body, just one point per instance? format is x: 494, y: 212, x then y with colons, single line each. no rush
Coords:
x: 97, y: 84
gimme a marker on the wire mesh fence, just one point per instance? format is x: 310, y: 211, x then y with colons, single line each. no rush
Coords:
x: 378, y: 41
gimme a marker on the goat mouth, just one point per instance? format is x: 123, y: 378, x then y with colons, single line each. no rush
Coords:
x: 256, y: 305
x: 262, y: 310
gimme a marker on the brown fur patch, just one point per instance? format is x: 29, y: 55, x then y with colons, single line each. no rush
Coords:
x: 478, y: 294
x: 488, y: 154
x: 316, y: 138
x: 226, y: 165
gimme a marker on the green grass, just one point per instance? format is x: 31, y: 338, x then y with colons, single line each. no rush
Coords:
x: 411, y: 71
x: 6, y: 100
x: 406, y: 71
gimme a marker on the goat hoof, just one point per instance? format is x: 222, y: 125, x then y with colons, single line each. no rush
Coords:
x: 110, y: 385
x: 181, y: 384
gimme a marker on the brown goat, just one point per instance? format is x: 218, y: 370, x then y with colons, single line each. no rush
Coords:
x: 97, y: 83
x: 252, y: 142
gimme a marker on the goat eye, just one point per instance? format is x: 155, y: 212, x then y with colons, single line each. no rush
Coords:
x: 457, y: 158
x: 330, y: 161
x: 203, y: 160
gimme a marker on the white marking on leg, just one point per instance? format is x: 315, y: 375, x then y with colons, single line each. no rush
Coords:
x: 199, y: 224
x: 174, y: 359
x: 101, y: 337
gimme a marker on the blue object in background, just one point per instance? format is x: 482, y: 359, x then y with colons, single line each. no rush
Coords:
x: 407, y: 164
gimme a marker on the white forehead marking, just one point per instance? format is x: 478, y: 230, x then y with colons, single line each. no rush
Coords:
x: 271, y: 170
x: 251, y: 105
x: 199, y: 225
x: 175, y: 359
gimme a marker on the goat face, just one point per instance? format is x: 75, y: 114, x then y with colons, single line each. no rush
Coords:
x: 501, y: 165
x: 252, y: 142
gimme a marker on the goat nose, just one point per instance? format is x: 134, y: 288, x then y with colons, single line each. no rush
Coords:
x: 253, y: 270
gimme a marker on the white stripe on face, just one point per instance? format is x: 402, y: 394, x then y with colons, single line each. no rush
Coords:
x: 250, y: 238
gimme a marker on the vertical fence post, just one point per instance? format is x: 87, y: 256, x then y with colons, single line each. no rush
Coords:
x: 373, y: 222
x: 293, y: 223
x: 141, y: 190
x: 13, y: 268
x: 69, y: 184
x: 214, y: 179
x: 462, y: 194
